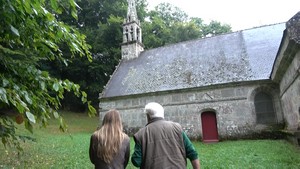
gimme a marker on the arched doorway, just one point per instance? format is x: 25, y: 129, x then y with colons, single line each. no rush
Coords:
x: 209, y: 127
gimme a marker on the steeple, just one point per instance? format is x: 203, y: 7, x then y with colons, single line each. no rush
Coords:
x: 131, y: 12
x: 132, y: 34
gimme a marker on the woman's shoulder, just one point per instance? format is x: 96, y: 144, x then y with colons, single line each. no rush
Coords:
x: 95, y: 135
x: 126, y: 138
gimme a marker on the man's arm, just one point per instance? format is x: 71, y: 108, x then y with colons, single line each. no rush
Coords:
x: 196, y: 164
x: 191, y: 152
x: 136, y: 157
x: 127, y: 154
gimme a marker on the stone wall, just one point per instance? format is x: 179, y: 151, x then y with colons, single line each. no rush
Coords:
x: 232, y: 103
x: 290, y: 94
x: 286, y: 72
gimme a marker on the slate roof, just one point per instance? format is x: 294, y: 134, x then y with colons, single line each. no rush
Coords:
x: 234, y: 57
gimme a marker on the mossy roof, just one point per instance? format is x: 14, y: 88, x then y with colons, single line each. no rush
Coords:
x: 246, y: 55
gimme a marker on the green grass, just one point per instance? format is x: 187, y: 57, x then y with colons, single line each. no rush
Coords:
x: 54, y: 149
x: 249, y: 154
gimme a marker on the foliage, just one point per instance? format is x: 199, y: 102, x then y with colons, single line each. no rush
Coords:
x: 93, y: 76
x: 53, y: 149
x: 215, y: 28
x: 170, y: 14
x: 101, y: 22
x: 33, y: 33
x: 29, y: 34
x: 168, y: 24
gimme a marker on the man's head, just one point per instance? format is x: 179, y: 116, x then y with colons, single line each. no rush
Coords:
x: 154, y: 109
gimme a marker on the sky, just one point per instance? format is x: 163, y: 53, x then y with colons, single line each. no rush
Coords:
x: 240, y: 14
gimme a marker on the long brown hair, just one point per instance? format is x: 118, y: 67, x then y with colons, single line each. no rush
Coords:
x: 110, y: 136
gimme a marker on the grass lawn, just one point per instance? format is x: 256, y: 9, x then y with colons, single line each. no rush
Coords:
x: 54, y: 149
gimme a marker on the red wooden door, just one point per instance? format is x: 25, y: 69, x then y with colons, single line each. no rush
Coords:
x: 209, y: 127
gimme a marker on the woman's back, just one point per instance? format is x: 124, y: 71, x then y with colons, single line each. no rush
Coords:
x: 120, y: 160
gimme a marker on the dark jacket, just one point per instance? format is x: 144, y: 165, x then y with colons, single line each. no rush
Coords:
x: 119, y: 161
x: 162, y: 145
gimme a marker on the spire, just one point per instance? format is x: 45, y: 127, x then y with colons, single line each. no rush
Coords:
x: 131, y: 12
x: 132, y: 34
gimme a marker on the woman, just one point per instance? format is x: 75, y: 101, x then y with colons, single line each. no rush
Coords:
x: 109, y: 146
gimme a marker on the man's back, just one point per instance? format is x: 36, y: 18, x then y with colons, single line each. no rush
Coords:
x: 162, y: 145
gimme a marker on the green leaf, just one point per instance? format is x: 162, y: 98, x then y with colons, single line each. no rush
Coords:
x: 28, y: 126
x: 56, y: 115
x: 20, y: 108
x: 5, y: 82
x: 84, y: 94
x: 42, y: 85
x: 14, y: 30
x: 77, y: 5
x: 61, y: 95
x: 83, y: 97
x: 62, y: 126
x: 59, y: 10
x: 56, y: 87
x: 44, y: 10
x: 92, y: 111
x: 3, y: 96
x: 30, y: 117
x: 67, y: 85
x: 65, y: 61
x: 35, y: 11
x: 12, y: 100
x: 75, y: 47
x: 45, y: 74
x: 27, y: 7
x: 54, y: 4
x: 76, y: 88
x: 51, y: 44
x: 9, y: 51
x: 27, y: 98
x: 24, y: 105
x: 74, y: 14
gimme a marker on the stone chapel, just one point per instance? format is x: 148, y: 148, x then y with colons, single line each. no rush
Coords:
x: 236, y: 85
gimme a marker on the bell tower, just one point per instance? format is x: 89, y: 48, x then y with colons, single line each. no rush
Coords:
x: 132, y: 34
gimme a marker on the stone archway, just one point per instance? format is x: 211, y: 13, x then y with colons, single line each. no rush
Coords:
x: 266, y: 105
x: 264, y: 109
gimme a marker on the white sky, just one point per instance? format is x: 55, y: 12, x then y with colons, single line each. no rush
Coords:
x: 240, y: 14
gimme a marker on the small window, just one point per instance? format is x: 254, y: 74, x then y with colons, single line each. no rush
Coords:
x: 264, y: 108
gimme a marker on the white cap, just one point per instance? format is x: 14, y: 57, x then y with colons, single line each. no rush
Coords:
x: 154, y: 109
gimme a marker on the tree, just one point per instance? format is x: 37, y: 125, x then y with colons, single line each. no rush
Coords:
x: 92, y: 77
x: 170, y: 14
x: 215, y: 28
x: 101, y: 22
x: 163, y: 25
x: 168, y: 24
x: 30, y: 33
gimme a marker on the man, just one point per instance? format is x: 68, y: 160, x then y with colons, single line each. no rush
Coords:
x: 162, y: 144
